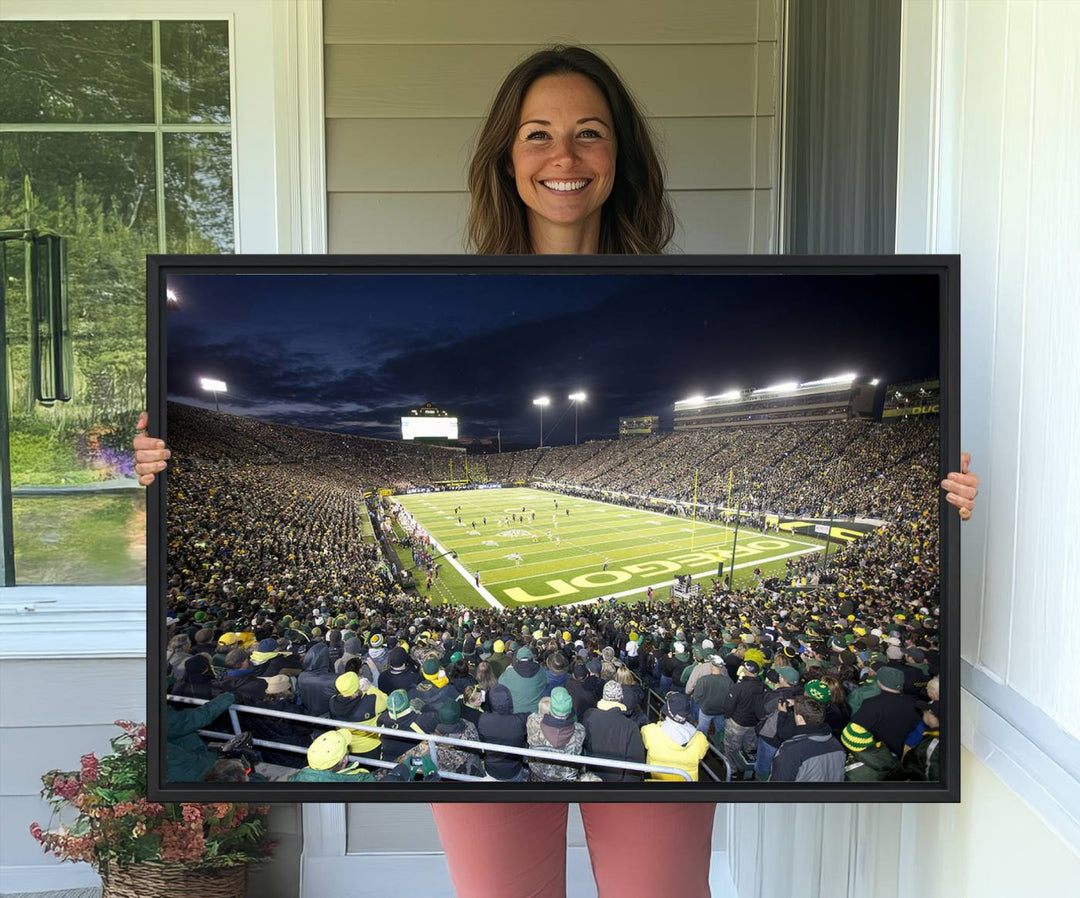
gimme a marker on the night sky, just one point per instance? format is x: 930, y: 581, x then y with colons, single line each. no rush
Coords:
x: 353, y: 352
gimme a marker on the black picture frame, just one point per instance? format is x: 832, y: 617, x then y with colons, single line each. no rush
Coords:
x: 946, y: 268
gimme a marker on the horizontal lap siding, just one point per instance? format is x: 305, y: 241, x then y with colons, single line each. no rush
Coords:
x: 53, y: 712
x: 460, y: 80
x: 525, y: 22
x: 408, y: 83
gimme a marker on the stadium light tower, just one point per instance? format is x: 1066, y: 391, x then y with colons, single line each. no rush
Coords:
x: 575, y: 398
x: 215, y: 387
x: 542, y: 401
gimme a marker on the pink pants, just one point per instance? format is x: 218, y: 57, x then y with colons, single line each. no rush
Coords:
x: 520, y: 849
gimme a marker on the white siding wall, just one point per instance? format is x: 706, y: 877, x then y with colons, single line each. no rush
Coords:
x: 989, y: 142
x: 408, y: 82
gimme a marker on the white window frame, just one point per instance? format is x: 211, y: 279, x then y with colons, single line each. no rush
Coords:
x: 279, y: 204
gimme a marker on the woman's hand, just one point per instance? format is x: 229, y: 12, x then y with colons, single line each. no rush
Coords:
x: 961, y: 487
x: 150, y: 453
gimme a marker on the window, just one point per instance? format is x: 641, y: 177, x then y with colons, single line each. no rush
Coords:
x: 118, y: 136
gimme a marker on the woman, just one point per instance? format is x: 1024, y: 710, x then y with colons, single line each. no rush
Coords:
x: 486, y: 678
x: 565, y: 164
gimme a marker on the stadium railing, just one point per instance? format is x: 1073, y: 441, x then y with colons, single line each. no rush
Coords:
x: 586, y: 761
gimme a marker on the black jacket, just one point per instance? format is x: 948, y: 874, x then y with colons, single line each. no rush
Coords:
x: 405, y: 679
x: 634, y: 699
x: 277, y: 664
x: 198, y: 681
x: 742, y: 703
x: 611, y: 733
x: 392, y: 748
x: 769, y: 717
x: 356, y: 708
x: 315, y: 684
x: 275, y: 729
x: 584, y: 698
x: 890, y: 716
x: 247, y: 687
x: 914, y: 679
x: 503, y: 727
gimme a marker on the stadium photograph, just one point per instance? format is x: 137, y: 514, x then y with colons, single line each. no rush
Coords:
x: 552, y: 528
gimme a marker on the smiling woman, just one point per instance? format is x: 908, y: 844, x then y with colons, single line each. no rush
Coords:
x: 563, y: 162
x: 563, y: 117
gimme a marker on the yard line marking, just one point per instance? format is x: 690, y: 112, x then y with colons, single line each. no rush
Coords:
x: 457, y: 566
x: 630, y: 592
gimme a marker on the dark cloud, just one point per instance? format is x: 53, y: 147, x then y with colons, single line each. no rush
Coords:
x: 356, y: 354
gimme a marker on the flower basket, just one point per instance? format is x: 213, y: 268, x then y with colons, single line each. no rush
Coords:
x: 173, y: 881
x: 142, y: 848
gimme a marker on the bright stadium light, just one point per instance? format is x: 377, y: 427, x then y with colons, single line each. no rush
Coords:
x: 542, y: 401
x: 730, y: 394
x: 575, y: 398
x: 875, y: 381
x: 693, y: 400
x: 838, y: 379
x: 786, y: 387
x: 215, y: 387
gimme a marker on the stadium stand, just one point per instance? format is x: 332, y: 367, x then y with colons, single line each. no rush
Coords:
x: 268, y: 565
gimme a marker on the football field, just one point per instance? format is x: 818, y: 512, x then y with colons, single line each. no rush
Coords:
x: 564, y: 550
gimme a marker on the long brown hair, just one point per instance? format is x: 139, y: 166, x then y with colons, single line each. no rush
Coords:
x: 637, y: 216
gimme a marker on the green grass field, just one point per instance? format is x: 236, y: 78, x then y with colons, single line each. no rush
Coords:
x: 642, y: 548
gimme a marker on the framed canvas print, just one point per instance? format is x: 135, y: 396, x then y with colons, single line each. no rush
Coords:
x: 543, y: 528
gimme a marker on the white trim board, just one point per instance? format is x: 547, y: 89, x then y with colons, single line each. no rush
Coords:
x: 1033, y: 756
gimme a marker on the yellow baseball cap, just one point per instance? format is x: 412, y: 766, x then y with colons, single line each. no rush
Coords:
x: 348, y: 684
x: 499, y: 646
x: 328, y: 750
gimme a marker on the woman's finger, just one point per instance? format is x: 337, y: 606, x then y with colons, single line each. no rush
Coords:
x: 147, y: 443
x: 959, y: 501
x: 968, y: 492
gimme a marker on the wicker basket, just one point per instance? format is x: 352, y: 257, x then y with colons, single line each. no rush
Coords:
x: 174, y: 881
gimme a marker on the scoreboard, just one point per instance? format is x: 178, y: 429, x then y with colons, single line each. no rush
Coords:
x: 429, y: 423
x: 429, y: 428
x: 639, y: 424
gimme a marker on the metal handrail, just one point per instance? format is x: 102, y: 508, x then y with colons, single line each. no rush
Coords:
x: 534, y: 753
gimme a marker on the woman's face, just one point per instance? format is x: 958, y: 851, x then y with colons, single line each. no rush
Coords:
x: 563, y: 154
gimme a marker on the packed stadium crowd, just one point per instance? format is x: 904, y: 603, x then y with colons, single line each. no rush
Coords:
x: 218, y: 440
x: 276, y: 599
x: 846, y: 467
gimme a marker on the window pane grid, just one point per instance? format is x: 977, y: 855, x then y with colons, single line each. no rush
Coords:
x: 74, y: 520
